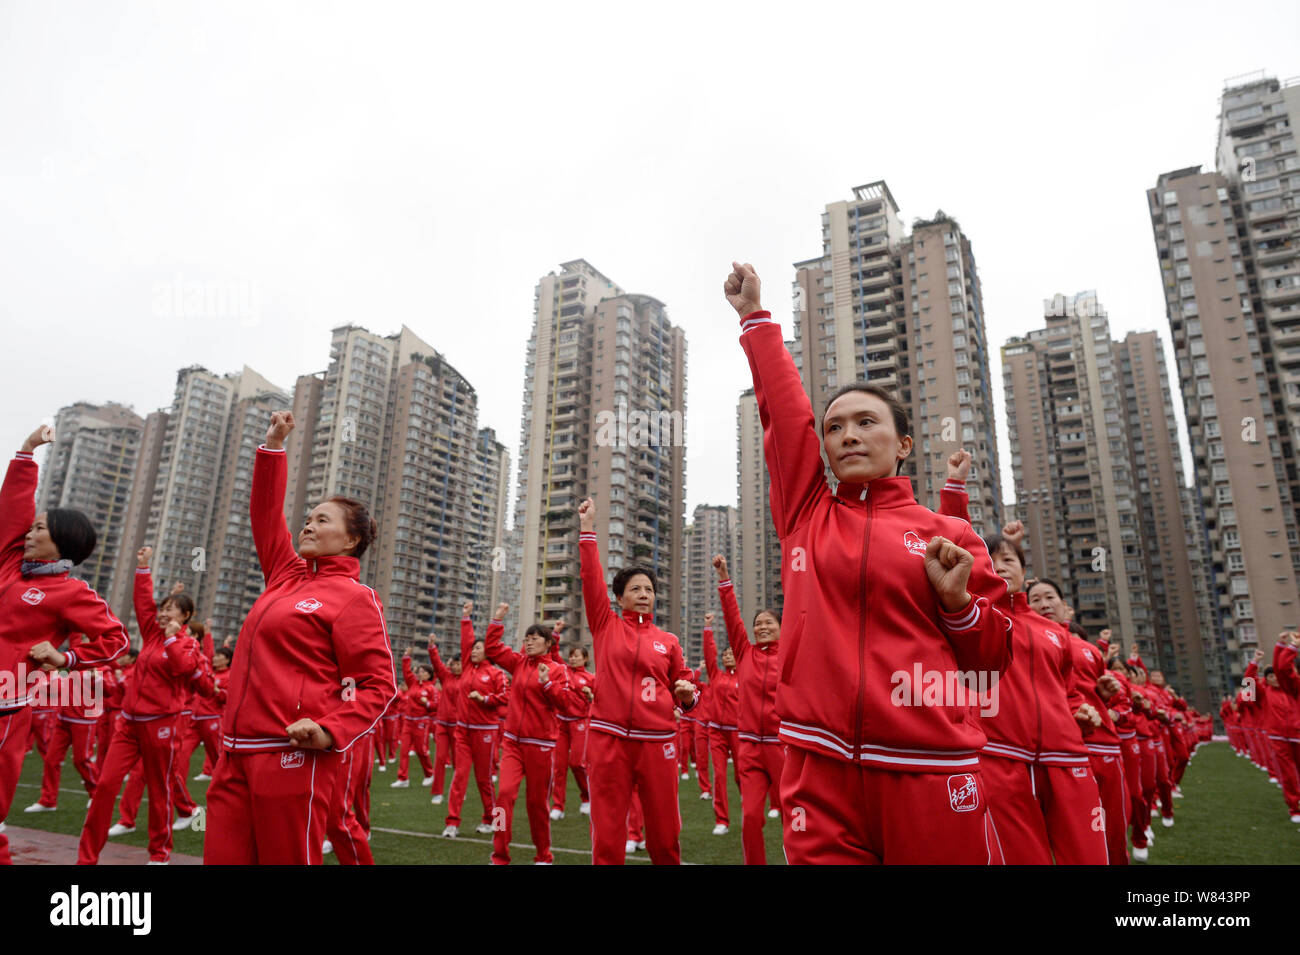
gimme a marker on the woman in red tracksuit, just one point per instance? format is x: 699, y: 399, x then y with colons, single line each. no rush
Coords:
x: 1279, y: 694
x: 539, y: 689
x: 571, y: 741
x: 760, y: 753
x: 632, y: 738
x: 450, y: 709
x: 881, y: 587
x: 482, y: 693
x: 206, y: 720
x: 417, y: 703
x: 312, y: 674
x: 41, y: 606
x: 1162, y: 712
x: 81, y: 697
x: 725, y: 717
x: 699, y: 716
x: 160, y: 684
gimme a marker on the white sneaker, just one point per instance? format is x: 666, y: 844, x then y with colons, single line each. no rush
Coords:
x: 89, y: 801
x: 40, y: 807
x: 706, y: 795
x: 156, y: 862
x: 326, y: 847
x: 774, y: 814
x: 437, y: 800
x: 631, y: 846
x: 410, y: 752
x: 1167, y: 821
x: 585, y: 809
x: 1155, y: 811
x: 494, y: 777
x: 400, y: 784
x: 641, y: 845
x: 121, y: 830
x: 427, y: 782
x: 686, y: 775
x: 1151, y: 836
x: 383, y: 767
x: 1295, y: 817
x: 184, y: 822
x: 543, y: 863
x: 556, y: 814
x: 720, y: 829
x: 202, y: 777
x: 451, y: 832
x: 2, y: 827
x: 483, y: 827
x: 1140, y: 855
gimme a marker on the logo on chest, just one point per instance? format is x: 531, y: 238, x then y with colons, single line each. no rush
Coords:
x: 660, y: 647
x: 1088, y: 653
x: 914, y: 544
x: 1051, y: 635
x: 293, y: 760
x: 33, y: 596
x: 310, y: 605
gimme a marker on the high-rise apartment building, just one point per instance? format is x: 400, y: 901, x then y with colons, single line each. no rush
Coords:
x: 1230, y: 267
x: 756, y: 567
x: 89, y: 468
x: 904, y: 311
x: 711, y: 532
x: 604, y: 415
x: 135, y: 522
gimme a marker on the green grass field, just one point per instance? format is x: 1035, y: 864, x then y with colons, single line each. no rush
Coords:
x: 1231, y: 814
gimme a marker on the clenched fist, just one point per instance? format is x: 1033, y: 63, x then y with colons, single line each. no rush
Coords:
x: 742, y: 289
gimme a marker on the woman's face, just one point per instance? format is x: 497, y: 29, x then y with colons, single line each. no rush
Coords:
x: 455, y: 667
x: 1044, y: 600
x: 536, y: 644
x: 860, y: 439
x: 1007, y: 566
x: 220, y: 662
x: 37, y: 545
x: 326, y: 532
x: 766, y: 628
x: 728, y: 659
x: 168, y: 610
x: 638, y: 595
x: 577, y: 659
x: 478, y: 654
x: 425, y: 674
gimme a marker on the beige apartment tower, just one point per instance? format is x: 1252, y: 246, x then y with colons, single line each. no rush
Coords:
x: 903, y: 310
x: 712, y: 531
x: 756, y: 568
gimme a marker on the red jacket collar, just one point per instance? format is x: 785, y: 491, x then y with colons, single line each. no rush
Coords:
x: 882, y: 492
x: 638, y: 619
x: 339, y: 565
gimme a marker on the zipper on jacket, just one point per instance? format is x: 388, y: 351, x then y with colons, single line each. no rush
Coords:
x: 234, y: 731
x: 1038, y: 706
x: 636, y: 661
x: 862, y: 632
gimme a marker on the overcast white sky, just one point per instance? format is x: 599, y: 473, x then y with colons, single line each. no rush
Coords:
x: 384, y: 163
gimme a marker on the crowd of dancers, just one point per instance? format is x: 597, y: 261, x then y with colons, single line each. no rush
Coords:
x: 918, y: 698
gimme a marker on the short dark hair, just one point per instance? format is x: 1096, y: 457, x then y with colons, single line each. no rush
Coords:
x: 184, y: 603
x: 71, y: 533
x: 1050, y: 583
x: 358, y: 521
x: 1268, y: 669
x: 896, y: 408
x: 539, y: 630
x: 226, y: 652
x: 994, y: 542
x: 580, y: 649
x: 627, y: 573
x: 776, y: 615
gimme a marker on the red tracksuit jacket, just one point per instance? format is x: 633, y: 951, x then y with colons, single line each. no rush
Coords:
x: 1035, y: 699
x: 757, y: 672
x: 1278, y: 708
x: 532, y: 710
x: 38, y: 608
x: 853, y: 574
x: 1089, y: 665
x: 162, y: 674
x: 314, y: 645
x: 484, y: 677
x: 451, y: 708
x: 637, y: 664
x: 418, y: 700
x: 726, y: 688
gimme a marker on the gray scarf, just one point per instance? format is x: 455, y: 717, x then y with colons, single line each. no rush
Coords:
x: 46, y: 568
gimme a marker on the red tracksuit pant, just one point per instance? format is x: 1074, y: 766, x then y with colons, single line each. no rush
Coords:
x: 205, y: 730
x: 103, y: 733
x: 474, y: 750
x: 570, y: 753
x: 150, y: 742
x: 615, y: 766
x: 1136, y: 812
x: 635, y: 820
x: 758, y: 769
x: 15, y: 730
x: 702, y: 758
x: 39, y: 734
x: 415, y: 736
x: 135, y: 782
x: 444, y: 738
x: 1287, y: 754
x: 685, y: 744
x: 839, y: 813
x: 1142, y: 819
x: 1164, y: 784
x: 270, y: 808
x: 343, y: 829
x: 1178, y: 754
x: 1108, y: 770
x: 392, y: 737
x: 80, y: 737
x: 722, y: 744
x: 1045, y: 812
x: 361, y: 785
x: 533, y: 767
